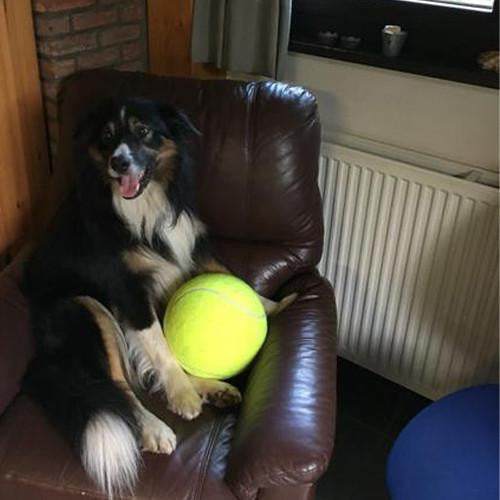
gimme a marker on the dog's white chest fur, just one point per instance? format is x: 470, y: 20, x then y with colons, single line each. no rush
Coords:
x: 143, y: 213
x: 149, y: 216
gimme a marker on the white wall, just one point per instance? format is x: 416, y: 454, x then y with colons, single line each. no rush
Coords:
x: 449, y: 120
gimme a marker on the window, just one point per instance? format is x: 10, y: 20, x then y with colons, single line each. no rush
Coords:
x: 444, y: 37
x: 480, y: 5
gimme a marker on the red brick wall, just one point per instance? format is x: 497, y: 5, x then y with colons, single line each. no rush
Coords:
x: 73, y: 35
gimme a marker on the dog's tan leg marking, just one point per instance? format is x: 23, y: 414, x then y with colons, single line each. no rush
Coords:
x: 216, y: 392
x: 156, y: 435
x: 181, y: 395
x: 166, y: 275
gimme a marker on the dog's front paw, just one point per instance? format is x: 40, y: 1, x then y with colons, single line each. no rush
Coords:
x: 217, y: 393
x: 186, y: 403
x: 156, y: 435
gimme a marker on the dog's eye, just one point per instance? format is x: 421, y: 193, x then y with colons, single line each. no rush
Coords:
x: 107, y: 135
x: 142, y: 131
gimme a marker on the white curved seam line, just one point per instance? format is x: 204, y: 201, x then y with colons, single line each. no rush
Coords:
x: 223, y: 297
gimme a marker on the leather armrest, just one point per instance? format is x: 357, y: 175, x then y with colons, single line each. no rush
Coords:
x: 285, y: 430
x: 16, y: 341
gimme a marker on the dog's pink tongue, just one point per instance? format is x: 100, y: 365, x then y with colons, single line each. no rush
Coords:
x: 129, y: 185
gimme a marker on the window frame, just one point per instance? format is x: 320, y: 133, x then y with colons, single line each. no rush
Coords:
x: 453, y: 4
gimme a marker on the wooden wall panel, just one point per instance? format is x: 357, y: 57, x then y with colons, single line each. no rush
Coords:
x: 169, y: 32
x: 24, y: 163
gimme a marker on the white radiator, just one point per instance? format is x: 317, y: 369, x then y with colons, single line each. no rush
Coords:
x: 413, y: 257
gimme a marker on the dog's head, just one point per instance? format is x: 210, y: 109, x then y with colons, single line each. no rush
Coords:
x: 131, y: 142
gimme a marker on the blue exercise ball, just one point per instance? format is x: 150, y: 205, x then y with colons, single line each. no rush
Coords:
x: 449, y: 451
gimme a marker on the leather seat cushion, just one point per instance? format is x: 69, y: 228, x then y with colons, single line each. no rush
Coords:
x: 36, y: 462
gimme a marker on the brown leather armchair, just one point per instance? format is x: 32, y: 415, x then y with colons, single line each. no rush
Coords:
x: 257, y: 159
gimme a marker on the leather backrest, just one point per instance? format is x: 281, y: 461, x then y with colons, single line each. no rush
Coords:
x: 256, y: 163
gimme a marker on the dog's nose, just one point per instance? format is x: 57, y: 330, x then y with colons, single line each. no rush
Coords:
x: 120, y: 163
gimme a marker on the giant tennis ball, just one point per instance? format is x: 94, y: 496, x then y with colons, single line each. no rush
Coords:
x: 215, y: 324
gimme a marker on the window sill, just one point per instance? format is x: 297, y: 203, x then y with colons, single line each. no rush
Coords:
x: 470, y: 75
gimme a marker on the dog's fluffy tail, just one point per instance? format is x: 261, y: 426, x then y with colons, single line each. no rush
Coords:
x: 70, y: 379
x: 96, y: 416
x: 109, y: 452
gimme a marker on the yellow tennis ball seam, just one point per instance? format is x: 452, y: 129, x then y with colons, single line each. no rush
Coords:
x: 197, y: 371
x: 224, y: 297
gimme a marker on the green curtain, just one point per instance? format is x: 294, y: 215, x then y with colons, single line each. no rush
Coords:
x: 246, y: 36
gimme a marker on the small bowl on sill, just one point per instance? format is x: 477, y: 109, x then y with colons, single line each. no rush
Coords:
x: 350, y: 42
x: 328, y: 38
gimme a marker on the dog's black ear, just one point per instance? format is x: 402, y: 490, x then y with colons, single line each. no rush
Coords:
x: 89, y: 122
x: 179, y: 125
x: 82, y: 136
x: 181, y: 131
